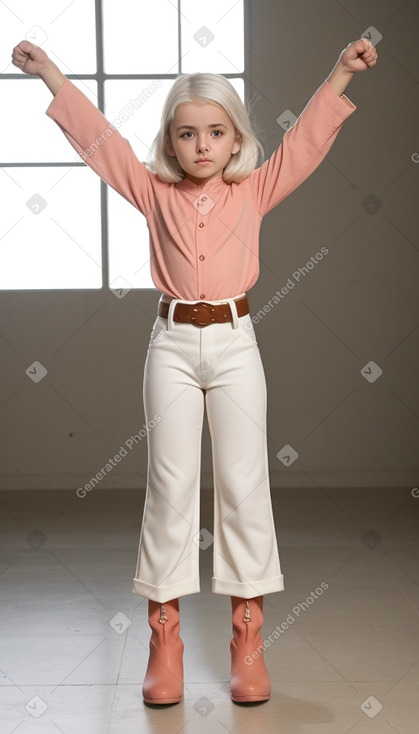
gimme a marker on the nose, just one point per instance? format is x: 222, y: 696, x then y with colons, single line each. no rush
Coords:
x: 202, y: 144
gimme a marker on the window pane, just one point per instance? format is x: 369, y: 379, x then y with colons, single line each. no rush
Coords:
x: 129, y: 257
x: 238, y: 85
x: 212, y: 37
x: 50, y: 234
x: 28, y: 134
x: 140, y: 108
x: 145, y: 44
x: 138, y: 105
x: 64, y: 29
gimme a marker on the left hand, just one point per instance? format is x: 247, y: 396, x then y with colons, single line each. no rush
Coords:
x: 359, y: 56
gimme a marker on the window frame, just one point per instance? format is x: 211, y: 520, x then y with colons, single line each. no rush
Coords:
x: 100, y: 77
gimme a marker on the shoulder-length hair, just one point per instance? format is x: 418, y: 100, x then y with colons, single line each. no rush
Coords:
x: 215, y: 88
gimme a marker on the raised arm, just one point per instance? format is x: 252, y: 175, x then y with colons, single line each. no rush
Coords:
x: 97, y: 141
x: 305, y: 145
x: 33, y: 60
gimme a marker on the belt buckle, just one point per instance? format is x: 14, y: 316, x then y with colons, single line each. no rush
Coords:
x: 197, y: 311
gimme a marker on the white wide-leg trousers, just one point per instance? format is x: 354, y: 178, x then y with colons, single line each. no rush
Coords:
x: 187, y: 369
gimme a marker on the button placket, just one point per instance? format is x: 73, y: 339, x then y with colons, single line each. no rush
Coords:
x: 203, y: 205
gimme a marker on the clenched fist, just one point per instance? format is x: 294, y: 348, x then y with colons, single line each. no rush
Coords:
x: 33, y: 60
x: 359, y: 56
x: 29, y: 58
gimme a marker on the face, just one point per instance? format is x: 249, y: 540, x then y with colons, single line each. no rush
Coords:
x: 202, y: 137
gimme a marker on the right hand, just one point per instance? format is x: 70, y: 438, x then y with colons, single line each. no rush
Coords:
x: 29, y: 58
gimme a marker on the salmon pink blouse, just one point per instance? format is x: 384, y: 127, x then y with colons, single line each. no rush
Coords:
x: 204, y: 242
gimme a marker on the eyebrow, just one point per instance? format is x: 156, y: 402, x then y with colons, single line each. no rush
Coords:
x: 191, y: 127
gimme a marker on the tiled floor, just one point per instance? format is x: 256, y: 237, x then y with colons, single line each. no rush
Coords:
x: 74, y: 638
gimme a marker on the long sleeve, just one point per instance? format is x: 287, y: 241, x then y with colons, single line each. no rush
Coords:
x: 101, y: 146
x: 303, y: 148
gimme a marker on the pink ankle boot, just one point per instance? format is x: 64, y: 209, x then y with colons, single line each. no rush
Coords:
x: 249, y: 677
x: 163, y: 681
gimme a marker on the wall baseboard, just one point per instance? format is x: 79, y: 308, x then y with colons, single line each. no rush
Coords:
x: 368, y: 478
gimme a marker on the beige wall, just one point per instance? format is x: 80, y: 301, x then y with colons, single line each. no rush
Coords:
x: 359, y: 303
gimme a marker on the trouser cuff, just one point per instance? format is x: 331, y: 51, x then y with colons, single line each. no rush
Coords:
x: 164, y: 593
x: 248, y: 589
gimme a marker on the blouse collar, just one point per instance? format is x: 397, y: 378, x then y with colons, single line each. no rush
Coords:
x: 214, y: 184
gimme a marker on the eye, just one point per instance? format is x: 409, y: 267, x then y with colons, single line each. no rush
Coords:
x: 217, y: 133
x: 184, y: 135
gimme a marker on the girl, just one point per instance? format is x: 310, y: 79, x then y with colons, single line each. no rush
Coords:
x: 204, y: 200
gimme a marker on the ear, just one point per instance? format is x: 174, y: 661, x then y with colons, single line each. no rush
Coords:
x: 168, y: 147
x: 237, y: 143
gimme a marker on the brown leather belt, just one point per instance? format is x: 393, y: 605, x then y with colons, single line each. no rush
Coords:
x: 203, y: 313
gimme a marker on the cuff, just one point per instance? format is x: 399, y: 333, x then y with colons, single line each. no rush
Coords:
x: 338, y: 104
x: 67, y: 88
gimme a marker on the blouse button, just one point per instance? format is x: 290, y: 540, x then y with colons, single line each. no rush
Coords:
x: 202, y: 295
x: 202, y: 257
x: 201, y: 224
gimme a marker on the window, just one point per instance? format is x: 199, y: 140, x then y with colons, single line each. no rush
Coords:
x: 61, y: 227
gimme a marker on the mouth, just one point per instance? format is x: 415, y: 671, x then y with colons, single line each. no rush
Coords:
x: 200, y: 161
